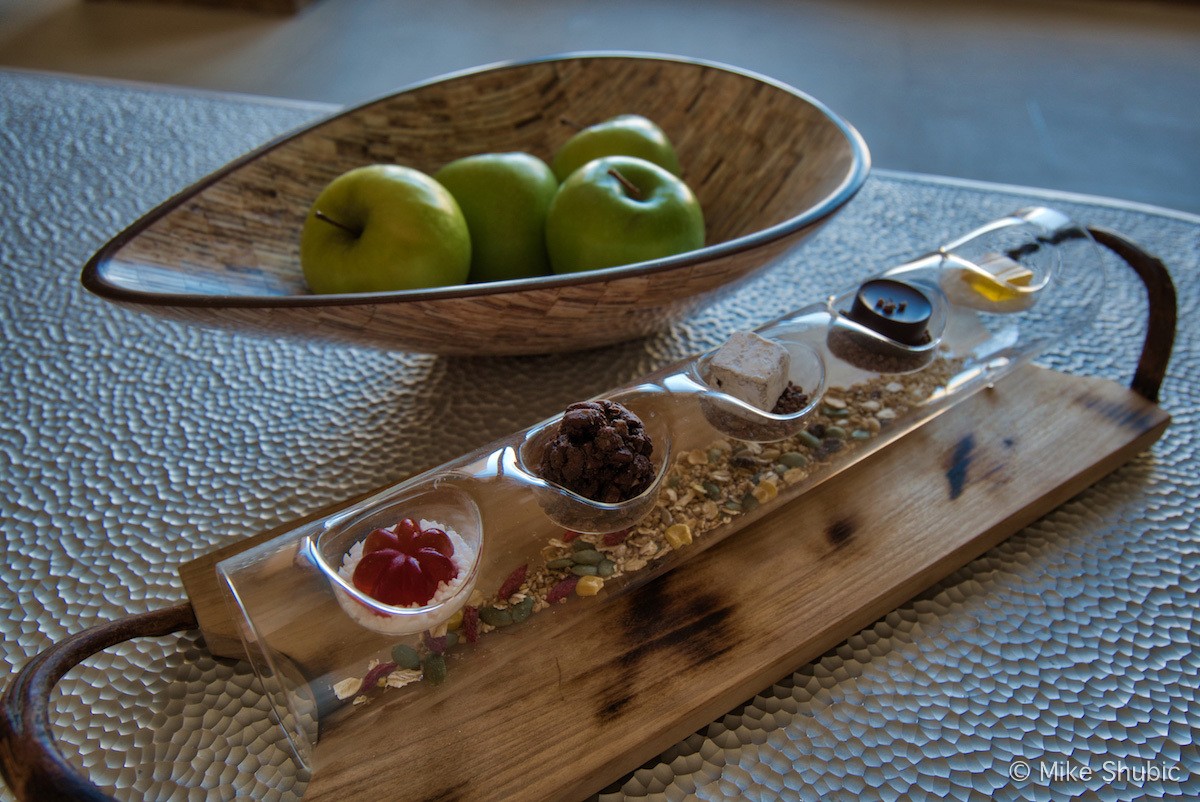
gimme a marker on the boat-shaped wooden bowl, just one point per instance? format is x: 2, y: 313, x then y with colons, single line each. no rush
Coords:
x: 768, y: 163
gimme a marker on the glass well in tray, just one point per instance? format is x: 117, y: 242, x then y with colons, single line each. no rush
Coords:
x: 532, y: 556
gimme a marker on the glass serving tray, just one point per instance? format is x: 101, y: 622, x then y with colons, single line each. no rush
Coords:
x: 536, y: 555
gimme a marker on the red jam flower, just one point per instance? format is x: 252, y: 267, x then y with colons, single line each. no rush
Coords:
x: 404, y: 565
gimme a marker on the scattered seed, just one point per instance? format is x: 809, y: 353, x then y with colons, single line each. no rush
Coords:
x: 435, y: 669
x: 495, y: 617
x: 521, y: 612
x: 583, y: 570
x: 581, y: 545
x: 749, y: 502
x: 712, y: 491
x: 406, y: 656
x: 561, y: 562
x: 793, y: 459
x: 860, y: 434
x: 697, y: 457
x: 886, y: 414
x: 587, y: 557
x: 606, y: 568
x: 809, y: 439
x: 836, y: 432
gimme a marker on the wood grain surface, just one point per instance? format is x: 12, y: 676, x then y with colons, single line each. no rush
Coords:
x: 560, y: 706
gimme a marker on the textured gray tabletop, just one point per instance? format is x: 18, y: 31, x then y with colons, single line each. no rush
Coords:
x: 129, y: 445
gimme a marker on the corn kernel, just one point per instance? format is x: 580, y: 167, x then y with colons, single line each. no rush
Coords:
x: 588, y: 585
x: 455, y: 621
x: 765, y: 491
x: 678, y: 535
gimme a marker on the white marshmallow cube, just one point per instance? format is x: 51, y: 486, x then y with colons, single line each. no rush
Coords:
x: 751, y: 368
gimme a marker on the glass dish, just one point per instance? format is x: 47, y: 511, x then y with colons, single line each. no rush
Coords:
x: 541, y: 555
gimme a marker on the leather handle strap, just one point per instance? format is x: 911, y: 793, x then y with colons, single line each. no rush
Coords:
x: 30, y: 760
x: 1160, y: 296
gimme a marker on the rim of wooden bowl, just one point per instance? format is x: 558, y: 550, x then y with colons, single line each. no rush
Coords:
x: 95, y: 281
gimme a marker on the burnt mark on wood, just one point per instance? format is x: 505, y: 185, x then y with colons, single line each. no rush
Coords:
x: 1009, y: 443
x: 958, y: 466
x: 840, y: 531
x: 690, y: 625
x: 1125, y: 415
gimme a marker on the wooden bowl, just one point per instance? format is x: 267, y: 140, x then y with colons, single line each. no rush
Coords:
x: 768, y: 163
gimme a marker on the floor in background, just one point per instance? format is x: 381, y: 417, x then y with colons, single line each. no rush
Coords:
x: 1094, y: 97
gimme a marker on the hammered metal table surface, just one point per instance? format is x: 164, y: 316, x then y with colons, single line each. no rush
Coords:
x: 129, y: 445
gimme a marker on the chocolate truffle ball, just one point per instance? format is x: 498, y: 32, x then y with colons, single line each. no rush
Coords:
x: 601, y: 451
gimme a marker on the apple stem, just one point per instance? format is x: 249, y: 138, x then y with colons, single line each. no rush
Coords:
x: 567, y: 121
x: 320, y: 215
x: 630, y: 187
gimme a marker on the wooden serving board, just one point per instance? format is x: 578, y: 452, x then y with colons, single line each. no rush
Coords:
x: 556, y: 712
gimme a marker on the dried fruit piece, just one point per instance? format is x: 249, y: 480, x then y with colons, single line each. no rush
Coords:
x: 470, y: 624
x: 376, y: 674
x: 435, y: 644
x: 589, y: 585
x: 562, y: 589
x: 616, y: 538
x: 513, y: 583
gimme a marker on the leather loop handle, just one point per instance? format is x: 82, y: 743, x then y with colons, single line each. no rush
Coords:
x: 29, y: 758
x: 1160, y: 296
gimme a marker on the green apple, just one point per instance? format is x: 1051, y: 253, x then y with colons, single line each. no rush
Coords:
x: 625, y: 135
x: 504, y: 198
x: 619, y: 210
x: 384, y: 227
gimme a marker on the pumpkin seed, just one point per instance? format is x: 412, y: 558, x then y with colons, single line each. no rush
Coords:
x: 794, y: 459
x: 587, y: 557
x: 435, y: 669
x: 406, y: 656
x: 522, y: 611
x: 809, y: 439
x: 494, y: 617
